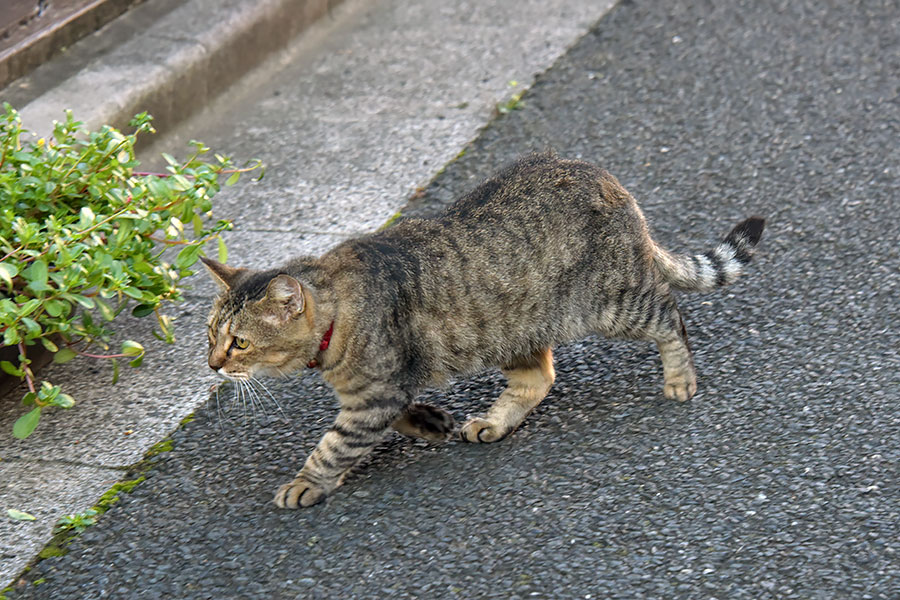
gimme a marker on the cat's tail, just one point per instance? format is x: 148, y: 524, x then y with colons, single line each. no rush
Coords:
x: 717, y: 267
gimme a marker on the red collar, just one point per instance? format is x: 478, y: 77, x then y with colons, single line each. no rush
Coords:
x: 323, y: 346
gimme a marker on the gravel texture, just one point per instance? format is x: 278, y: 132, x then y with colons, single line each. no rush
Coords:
x: 779, y: 480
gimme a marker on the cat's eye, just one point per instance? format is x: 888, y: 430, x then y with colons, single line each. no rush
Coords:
x: 241, y: 343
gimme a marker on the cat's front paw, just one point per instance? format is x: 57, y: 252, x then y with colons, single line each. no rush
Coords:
x: 681, y: 390
x: 298, y: 494
x: 481, y: 430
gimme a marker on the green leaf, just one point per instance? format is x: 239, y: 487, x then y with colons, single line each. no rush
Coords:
x: 11, y: 336
x: 84, y: 301
x: 49, y: 345
x: 32, y: 327
x: 48, y: 391
x: 133, y: 292
x: 63, y: 401
x: 87, y: 217
x: 7, y: 272
x: 124, y: 232
x: 180, y: 183
x: 25, y: 424
x: 188, y: 256
x: 37, y: 272
x: 39, y: 286
x: 137, y: 362
x: 11, y: 369
x: 223, y: 251
x: 115, y: 365
x: 56, y: 308
x: 18, y: 515
x: 64, y: 355
x: 29, y: 307
x: 142, y: 310
x: 233, y: 179
x: 104, y: 309
x: 132, y: 348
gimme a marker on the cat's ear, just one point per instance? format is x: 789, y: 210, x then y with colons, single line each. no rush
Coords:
x: 222, y: 274
x: 284, y: 299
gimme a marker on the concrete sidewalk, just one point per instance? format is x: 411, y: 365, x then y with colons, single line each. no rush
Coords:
x: 351, y: 117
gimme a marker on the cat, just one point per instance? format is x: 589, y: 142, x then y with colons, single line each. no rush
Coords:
x: 547, y: 251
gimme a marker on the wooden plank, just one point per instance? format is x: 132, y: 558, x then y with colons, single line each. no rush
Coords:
x: 16, y: 12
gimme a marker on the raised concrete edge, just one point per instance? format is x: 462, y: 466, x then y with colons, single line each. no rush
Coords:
x: 35, y: 44
x: 177, y: 65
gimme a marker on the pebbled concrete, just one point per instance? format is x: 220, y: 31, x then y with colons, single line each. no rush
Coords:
x: 350, y: 118
x: 63, y: 488
x: 779, y: 480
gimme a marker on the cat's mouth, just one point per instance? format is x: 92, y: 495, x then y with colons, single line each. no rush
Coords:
x: 233, y: 376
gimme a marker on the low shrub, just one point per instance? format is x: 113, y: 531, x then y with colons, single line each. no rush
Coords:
x: 83, y: 237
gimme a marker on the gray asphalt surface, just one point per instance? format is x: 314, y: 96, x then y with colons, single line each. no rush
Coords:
x: 778, y: 480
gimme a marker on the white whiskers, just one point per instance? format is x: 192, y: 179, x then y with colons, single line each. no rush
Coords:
x: 248, y: 393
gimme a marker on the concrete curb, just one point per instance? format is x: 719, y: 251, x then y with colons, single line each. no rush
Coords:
x: 177, y: 65
x: 57, y: 29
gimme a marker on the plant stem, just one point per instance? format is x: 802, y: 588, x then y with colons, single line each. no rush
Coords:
x: 28, y: 378
x: 11, y: 253
x: 169, y: 242
x: 152, y: 174
x: 80, y: 353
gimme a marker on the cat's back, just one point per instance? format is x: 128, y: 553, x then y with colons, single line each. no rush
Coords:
x: 536, y: 216
x: 541, y: 186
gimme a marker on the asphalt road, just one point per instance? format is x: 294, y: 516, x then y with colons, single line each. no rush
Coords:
x: 778, y: 480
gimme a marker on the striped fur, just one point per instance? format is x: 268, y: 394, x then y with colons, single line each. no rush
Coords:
x: 548, y: 251
x: 720, y: 266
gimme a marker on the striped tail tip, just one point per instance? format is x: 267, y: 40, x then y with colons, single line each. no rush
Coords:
x: 744, y: 237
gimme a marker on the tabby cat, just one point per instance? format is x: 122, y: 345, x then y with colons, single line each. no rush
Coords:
x: 547, y: 251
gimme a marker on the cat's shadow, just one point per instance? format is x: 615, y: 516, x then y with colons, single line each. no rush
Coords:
x: 600, y: 387
x: 591, y: 394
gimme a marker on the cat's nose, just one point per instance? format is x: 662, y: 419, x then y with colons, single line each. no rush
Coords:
x: 216, y: 361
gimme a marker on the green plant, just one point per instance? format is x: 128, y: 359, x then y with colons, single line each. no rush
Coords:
x: 158, y: 448
x: 51, y: 551
x: 77, y: 522
x: 111, y: 496
x: 84, y: 235
x: 514, y: 103
x: 391, y: 220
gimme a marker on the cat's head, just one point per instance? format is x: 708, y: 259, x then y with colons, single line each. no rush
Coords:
x: 261, y: 323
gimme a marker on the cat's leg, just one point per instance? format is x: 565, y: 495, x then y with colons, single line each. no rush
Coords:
x: 662, y: 323
x: 528, y: 381
x: 360, y: 425
x: 679, y: 375
x: 425, y: 421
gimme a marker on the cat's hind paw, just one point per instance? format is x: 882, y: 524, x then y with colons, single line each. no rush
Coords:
x: 298, y: 494
x: 479, y: 430
x: 426, y: 422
